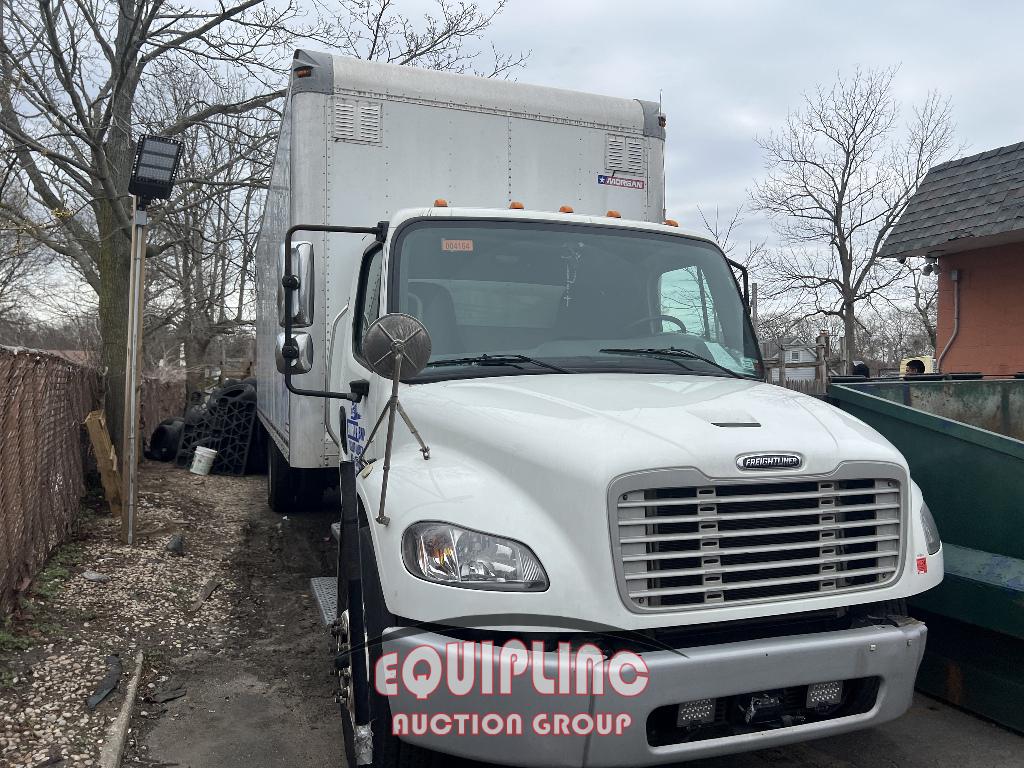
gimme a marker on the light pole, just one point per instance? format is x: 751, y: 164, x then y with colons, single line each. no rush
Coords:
x: 156, y: 163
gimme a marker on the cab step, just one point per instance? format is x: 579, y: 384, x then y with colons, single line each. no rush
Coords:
x: 325, y: 592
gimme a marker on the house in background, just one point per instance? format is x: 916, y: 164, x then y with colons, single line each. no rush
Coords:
x: 967, y: 221
x: 794, y: 350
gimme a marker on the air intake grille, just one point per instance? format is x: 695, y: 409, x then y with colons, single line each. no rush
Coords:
x: 624, y: 153
x: 358, y: 122
x: 688, y: 547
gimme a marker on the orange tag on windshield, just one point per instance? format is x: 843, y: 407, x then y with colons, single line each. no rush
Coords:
x: 456, y: 245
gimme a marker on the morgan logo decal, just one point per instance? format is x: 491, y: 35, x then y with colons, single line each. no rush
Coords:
x: 618, y: 181
x: 769, y: 461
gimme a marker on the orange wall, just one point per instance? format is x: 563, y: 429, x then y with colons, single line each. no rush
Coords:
x: 991, y: 338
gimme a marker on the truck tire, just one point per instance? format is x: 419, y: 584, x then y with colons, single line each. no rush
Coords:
x: 281, y: 495
x: 388, y: 750
x: 239, y: 392
x: 309, y: 486
x: 163, y: 444
x: 391, y: 752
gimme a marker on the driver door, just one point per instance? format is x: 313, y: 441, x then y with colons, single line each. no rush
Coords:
x: 351, y: 370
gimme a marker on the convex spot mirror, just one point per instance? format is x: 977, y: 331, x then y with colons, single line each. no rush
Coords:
x: 303, y: 362
x: 396, y: 346
x: 302, y: 295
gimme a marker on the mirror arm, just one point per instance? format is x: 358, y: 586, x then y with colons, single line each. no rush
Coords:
x: 290, y: 349
x: 746, y: 281
x: 359, y: 389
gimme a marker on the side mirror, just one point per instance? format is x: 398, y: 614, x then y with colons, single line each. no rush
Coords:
x: 303, y: 292
x: 396, y: 346
x: 302, y: 362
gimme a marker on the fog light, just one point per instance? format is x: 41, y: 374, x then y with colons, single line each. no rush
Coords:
x: 694, y: 712
x: 828, y: 694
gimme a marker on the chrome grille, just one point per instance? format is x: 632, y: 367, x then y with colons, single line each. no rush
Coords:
x: 691, y: 546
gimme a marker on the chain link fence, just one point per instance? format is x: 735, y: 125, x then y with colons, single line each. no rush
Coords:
x: 161, y: 399
x: 42, y: 450
x: 44, y: 453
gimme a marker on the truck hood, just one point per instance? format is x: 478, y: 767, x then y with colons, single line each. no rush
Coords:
x: 533, y: 458
x: 615, y: 423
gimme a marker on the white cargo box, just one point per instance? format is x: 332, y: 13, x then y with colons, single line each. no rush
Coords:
x: 361, y: 140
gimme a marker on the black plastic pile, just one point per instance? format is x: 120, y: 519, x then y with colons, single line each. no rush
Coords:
x: 225, y: 421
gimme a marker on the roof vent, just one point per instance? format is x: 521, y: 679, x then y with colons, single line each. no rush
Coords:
x: 357, y: 121
x: 625, y: 154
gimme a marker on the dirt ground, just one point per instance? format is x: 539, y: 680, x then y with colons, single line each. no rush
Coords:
x: 266, y: 698
x: 250, y: 664
x: 251, y: 658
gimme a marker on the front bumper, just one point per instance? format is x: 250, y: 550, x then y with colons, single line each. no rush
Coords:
x: 890, y: 653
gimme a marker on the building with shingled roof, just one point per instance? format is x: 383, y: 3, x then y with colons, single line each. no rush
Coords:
x: 967, y: 221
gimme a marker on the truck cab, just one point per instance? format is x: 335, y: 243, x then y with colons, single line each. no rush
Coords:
x: 605, y: 539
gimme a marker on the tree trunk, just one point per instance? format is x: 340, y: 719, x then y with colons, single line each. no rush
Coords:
x: 195, y: 357
x: 116, y: 156
x: 929, y: 328
x: 114, y: 269
x: 850, y: 337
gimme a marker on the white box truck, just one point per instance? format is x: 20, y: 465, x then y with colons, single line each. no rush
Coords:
x: 605, y: 539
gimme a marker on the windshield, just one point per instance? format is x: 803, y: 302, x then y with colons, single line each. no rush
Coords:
x: 501, y: 298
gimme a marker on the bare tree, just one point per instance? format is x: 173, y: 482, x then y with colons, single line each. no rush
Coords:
x: 889, y: 333
x: 922, y: 293
x: 73, y: 74
x: 21, y: 256
x: 68, y: 91
x: 840, y: 174
x: 377, y: 30
x: 722, y: 230
x: 206, y: 235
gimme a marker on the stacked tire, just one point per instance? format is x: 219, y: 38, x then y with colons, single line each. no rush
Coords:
x: 234, y: 392
x: 225, y: 420
x: 163, y: 444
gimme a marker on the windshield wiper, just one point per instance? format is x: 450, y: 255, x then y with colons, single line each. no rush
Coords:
x: 669, y: 353
x: 510, y: 360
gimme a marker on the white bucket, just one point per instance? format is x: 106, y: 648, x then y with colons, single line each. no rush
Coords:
x: 202, y: 462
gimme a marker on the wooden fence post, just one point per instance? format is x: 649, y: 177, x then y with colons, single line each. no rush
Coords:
x: 106, y: 460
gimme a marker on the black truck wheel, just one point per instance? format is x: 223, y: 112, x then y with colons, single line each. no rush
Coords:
x: 391, y: 752
x: 309, y: 488
x: 370, y: 617
x: 281, y: 495
x: 291, y: 490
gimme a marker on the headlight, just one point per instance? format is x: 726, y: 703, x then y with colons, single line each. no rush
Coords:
x: 450, y: 555
x: 931, y: 530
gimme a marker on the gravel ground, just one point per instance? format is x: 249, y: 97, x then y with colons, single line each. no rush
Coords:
x: 146, y: 600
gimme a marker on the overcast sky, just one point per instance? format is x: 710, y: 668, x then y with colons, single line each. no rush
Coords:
x: 729, y: 71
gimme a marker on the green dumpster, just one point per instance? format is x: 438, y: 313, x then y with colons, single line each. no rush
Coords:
x: 964, y: 442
